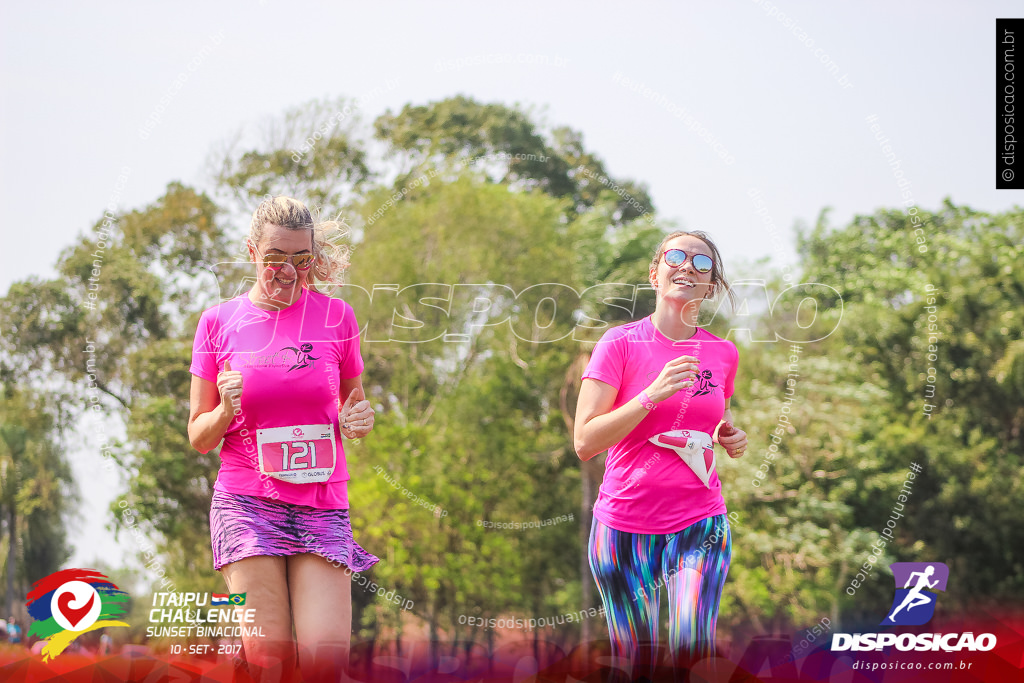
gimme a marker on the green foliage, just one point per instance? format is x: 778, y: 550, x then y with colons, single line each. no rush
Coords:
x: 37, y: 493
x: 313, y: 151
x: 471, y: 428
x: 505, y: 141
x: 118, y: 322
x: 939, y: 331
x: 797, y: 538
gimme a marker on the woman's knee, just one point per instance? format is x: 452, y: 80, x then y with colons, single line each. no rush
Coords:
x: 264, y: 581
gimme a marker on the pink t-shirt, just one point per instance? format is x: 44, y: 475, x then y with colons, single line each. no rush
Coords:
x: 291, y: 362
x: 649, y: 489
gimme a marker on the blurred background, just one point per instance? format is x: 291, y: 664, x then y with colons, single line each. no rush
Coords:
x: 530, y: 154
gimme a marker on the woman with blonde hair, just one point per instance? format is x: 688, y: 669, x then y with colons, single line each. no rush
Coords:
x: 277, y: 375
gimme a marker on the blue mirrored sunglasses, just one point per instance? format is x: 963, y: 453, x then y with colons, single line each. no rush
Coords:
x: 677, y: 257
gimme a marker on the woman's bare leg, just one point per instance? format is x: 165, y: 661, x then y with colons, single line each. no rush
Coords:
x: 321, y: 599
x: 264, y: 580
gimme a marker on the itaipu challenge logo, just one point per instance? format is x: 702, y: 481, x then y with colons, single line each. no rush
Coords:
x: 71, y: 602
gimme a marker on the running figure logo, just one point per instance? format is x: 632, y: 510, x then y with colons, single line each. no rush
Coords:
x: 915, y: 604
x: 302, y: 357
x: 702, y: 384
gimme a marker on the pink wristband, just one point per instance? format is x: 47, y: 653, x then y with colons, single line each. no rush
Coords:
x: 645, y: 401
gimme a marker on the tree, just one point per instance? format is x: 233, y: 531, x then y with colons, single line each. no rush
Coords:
x: 505, y: 141
x: 430, y: 390
x: 933, y: 302
x: 312, y: 151
x: 36, y: 493
x: 114, y: 331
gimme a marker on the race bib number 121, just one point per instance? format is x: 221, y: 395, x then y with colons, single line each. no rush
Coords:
x: 303, y: 454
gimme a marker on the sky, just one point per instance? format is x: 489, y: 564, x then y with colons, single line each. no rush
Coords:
x: 745, y: 118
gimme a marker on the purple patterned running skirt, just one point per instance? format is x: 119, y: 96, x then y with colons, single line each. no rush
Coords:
x: 246, y: 526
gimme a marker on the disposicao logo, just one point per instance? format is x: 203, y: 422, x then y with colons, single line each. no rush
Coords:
x: 914, y: 604
x: 71, y: 602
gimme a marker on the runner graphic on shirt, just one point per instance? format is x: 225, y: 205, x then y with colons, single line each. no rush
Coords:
x: 302, y: 357
x: 703, y: 383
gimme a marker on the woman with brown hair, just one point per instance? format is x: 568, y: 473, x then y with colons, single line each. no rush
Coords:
x: 656, y: 395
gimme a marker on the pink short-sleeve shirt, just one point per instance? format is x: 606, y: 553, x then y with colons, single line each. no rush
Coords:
x: 291, y: 362
x: 648, y: 488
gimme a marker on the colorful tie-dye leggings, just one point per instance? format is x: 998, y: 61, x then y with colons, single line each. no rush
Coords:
x: 630, y: 569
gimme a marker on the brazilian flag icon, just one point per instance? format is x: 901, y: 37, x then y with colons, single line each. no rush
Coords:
x: 237, y: 598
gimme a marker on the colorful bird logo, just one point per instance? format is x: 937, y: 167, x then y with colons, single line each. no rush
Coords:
x: 71, y: 602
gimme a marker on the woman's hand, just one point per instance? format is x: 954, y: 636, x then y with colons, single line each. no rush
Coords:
x: 356, y: 416
x: 733, y: 440
x: 678, y: 374
x: 229, y: 386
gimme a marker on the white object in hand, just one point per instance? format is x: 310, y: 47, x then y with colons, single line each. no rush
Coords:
x: 695, y: 448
